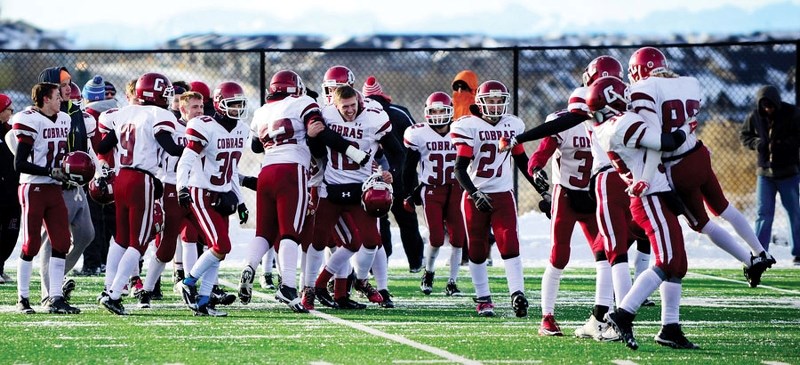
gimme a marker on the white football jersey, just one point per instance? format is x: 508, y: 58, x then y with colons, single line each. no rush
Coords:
x: 91, y: 124
x: 573, y: 158
x: 437, y: 154
x: 49, y: 141
x: 136, y: 127
x: 106, y: 122
x: 490, y: 170
x: 169, y: 171
x: 577, y: 104
x: 620, y: 136
x: 673, y: 100
x: 217, y: 166
x: 280, y: 127
x: 363, y: 133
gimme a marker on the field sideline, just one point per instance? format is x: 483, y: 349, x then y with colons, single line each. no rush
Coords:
x: 732, y: 323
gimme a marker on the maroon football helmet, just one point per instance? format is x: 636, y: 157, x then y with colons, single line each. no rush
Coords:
x: 607, y: 97
x: 229, y: 100
x: 644, y: 62
x: 335, y: 77
x: 202, y: 88
x: 101, y: 189
x: 75, y: 93
x: 158, y: 220
x: 491, y: 89
x: 441, y: 102
x: 154, y: 89
x: 600, y: 67
x: 79, y: 167
x: 286, y: 82
x: 376, y: 196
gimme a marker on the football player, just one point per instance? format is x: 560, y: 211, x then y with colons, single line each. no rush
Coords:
x: 486, y: 175
x: 139, y: 133
x: 212, y: 154
x: 664, y: 97
x: 428, y: 145
x: 634, y: 145
x: 41, y: 135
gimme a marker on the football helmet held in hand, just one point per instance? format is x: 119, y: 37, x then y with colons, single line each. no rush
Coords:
x: 79, y: 167
x: 101, y: 189
x: 376, y: 195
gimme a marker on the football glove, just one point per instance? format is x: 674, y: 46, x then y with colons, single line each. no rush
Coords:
x: 482, y: 201
x: 540, y: 180
x: 545, y: 204
x: 638, y: 188
x: 244, y: 214
x: 507, y: 143
x: 58, y: 174
x: 358, y: 155
x: 250, y: 182
x: 184, y: 199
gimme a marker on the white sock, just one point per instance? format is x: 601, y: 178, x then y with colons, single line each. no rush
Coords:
x: 56, y: 273
x: 115, y: 252
x: 726, y: 242
x: 340, y: 261
x: 204, y: 262
x: 621, y: 277
x: 364, y: 258
x: 303, y: 263
x: 128, y: 265
x: 514, y: 275
x: 641, y: 263
x: 550, y: 283
x: 344, y: 270
x: 430, y: 257
x: 480, y: 279
x: 24, y: 272
x: 455, y: 263
x: 189, y: 255
x: 287, y: 256
x: 177, y: 259
x: 314, y: 260
x: 603, y: 284
x: 670, y: 302
x: 154, y: 269
x: 380, y: 269
x: 210, y: 276
x: 266, y: 262
x: 645, y: 285
x: 742, y: 228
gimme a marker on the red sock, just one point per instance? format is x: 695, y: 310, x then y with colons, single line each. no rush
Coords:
x: 323, y: 278
x: 339, y: 288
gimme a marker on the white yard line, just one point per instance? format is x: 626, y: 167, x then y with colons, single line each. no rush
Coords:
x: 788, y: 291
x: 623, y: 362
x: 400, y: 339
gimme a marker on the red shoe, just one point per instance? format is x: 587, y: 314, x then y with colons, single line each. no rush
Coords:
x: 308, y: 298
x: 549, y: 326
x: 364, y: 287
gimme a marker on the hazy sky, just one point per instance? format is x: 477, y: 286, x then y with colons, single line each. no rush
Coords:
x: 150, y: 20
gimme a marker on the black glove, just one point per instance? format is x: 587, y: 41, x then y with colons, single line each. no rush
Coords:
x: 540, y: 181
x: 243, y: 213
x: 58, y: 174
x: 184, y: 199
x: 250, y: 182
x: 545, y: 204
x: 416, y: 195
x: 482, y: 201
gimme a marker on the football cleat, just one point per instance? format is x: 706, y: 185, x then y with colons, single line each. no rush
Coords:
x: 485, y: 307
x: 266, y: 281
x: 324, y: 297
x: 66, y: 288
x: 177, y: 276
x: 622, y: 321
x: 427, y: 282
x: 246, y: 284
x: 125, y: 290
x: 219, y: 296
x: 102, y: 295
x: 387, y: 299
x: 549, y: 326
x: 451, y: 290
x: 209, y: 310
x: 347, y: 303
x: 189, y: 294
x: 308, y: 298
x: 58, y: 305
x: 609, y: 335
x: 24, y: 306
x: 591, y: 329
x: 672, y: 336
x: 758, y: 264
x: 157, y: 294
x: 648, y: 303
x: 288, y: 295
x: 364, y: 287
x: 144, y: 298
x: 137, y: 285
x: 520, y: 304
x: 114, y: 306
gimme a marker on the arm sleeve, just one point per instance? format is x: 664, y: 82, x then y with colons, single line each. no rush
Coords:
x: 394, y: 153
x: 331, y: 139
x: 462, y: 162
x: 410, y: 169
x: 107, y: 143
x: 748, y: 134
x: 651, y: 163
x: 24, y: 166
x: 185, y: 163
x: 521, y: 161
x: 256, y: 146
x: 543, y: 153
x: 166, y: 142
x: 560, y: 124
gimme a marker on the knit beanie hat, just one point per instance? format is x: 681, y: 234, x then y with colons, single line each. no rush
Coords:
x: 5, y: 102
x: 95, y: 89
x: 110, y: 87
x: 372, y: 87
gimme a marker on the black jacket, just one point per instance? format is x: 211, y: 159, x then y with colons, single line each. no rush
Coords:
x: 9, y: 177
x: 776, y: 139
x: 77, y: 139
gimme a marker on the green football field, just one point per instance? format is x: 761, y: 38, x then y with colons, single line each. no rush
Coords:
x: 732, y: 323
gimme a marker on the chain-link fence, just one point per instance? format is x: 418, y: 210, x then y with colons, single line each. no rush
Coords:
x: 541, y: 80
